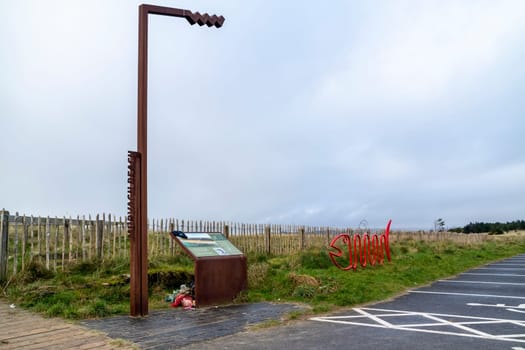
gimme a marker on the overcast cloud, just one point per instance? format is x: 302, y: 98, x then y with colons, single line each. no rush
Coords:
x: 293, y: 112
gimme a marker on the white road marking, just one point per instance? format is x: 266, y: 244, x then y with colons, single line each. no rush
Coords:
x: 467, y: 294
x: 458, y: 325
x: 513, y: 310
x: 506, y: 307
x: 463, y: 326
x: 458, y: 281
x: 520, y: 306
x: 499, y: 268
x: 377, y: 319
x: 492, y: 274
x: 505, y: 264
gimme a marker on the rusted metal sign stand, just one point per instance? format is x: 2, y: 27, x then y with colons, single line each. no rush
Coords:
x: 218, y: 279
x: 137, y: 167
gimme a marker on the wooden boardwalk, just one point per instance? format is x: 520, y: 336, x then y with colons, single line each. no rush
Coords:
x: 20, y: 329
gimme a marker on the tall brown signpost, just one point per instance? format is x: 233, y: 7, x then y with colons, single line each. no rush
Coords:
x: 137, y: 161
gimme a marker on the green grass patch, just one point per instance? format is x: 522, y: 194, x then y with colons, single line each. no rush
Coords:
x: 93, y: 289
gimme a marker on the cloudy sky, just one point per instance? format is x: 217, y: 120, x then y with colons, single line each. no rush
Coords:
x: 293, y: 112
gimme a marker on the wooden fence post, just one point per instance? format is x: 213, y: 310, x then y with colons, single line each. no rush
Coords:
x: 65, y: 241
x: 4, y: 226
x: 303, y: 242
x: 70, y: 237
x: 99, y: 236
x: 39, y: 236
x: 24, y: 241
x: 48, y: 237
x: 171, y: 229
x: 55, y: 240
x: 15, y: 246
x: 114, y: 229
x: 83, y: 237
x: 267, y: 233
x: 226, y: 231
x: 91, y: 237
x: 31, y: 253
x: 110, y: 233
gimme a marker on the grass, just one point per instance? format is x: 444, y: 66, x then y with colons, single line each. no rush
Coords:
x: 100, y: 289
x: 311, y: 278
x: 93, y: 289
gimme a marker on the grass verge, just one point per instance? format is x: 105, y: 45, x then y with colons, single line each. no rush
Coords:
x: 311, y: 278
x: 93, y: 289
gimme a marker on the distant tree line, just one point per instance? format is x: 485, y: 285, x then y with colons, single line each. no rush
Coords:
x: 494, y: 228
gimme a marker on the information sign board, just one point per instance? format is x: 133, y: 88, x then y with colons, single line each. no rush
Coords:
x: 206, y: 244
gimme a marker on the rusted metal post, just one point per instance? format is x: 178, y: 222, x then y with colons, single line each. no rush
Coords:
x: 139, y: 238
x: 138, y: 304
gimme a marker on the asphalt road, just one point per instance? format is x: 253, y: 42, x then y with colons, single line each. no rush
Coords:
x: 483, y: 308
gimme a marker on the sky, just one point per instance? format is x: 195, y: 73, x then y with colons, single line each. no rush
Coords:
x: 293, y: 112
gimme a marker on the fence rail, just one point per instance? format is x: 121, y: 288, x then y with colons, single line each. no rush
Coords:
x: 65, y: 240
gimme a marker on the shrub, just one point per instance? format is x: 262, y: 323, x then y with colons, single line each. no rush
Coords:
x: 257, y: 273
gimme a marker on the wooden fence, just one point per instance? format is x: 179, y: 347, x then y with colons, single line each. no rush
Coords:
x: 61, y: 241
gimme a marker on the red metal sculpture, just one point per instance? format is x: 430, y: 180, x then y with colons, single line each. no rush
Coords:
x: 363, y: 249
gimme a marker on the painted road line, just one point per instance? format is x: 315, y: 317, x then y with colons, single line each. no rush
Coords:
x: 520, y: 306
x: 467, y: 294
x: 372, y: 317
x: 418, y: 313
x: 493, y: 274
x: 436, y: 322
x: 499, y: 268
x: 504, y: 264
x: 508, y: 283
x: 506, y: 307
x: 460, y: 326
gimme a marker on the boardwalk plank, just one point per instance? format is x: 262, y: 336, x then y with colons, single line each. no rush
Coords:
x: 20, y: 329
